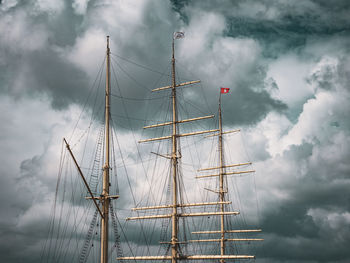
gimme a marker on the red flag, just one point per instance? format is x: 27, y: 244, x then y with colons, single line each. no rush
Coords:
x: 224, y: 90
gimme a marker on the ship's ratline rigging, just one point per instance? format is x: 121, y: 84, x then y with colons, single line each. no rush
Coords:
x: 185, y: 194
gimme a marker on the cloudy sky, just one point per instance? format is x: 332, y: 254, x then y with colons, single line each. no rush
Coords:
x: 287, y: 64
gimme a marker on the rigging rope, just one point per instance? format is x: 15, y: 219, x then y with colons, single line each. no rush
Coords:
x: 87, y: 243
x: 116, y: 232
x: 126, y: 172
x: 99, y: 74
x: 141, y: 66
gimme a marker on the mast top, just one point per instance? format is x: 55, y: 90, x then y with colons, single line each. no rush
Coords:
x: 107, y: 43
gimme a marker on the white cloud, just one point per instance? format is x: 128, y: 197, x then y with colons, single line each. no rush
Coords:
x: 80, y: 6
x: 122, y: 17
x: 272, y: 128
x: 88, y: 52
x: 51, y: 7
x: 333, y: 222
x: 7, y: 4
x: 228, y: 59
x: 290, y: 74
x: 18, y: 33
x: 323, y: 111
x: 321, y: 114
x: 324, y: 73
x: 30, y: 130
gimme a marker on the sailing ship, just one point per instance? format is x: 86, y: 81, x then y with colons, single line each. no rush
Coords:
x: 174, y: 211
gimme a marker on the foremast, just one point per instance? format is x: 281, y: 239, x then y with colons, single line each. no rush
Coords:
x: 105, y: 197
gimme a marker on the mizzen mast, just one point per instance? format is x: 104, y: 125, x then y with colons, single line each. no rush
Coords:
x: 222, y: 192
x: 221, y: 187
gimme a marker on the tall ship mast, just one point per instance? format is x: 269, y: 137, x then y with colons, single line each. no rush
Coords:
x: 175, y: 208
x: 104, y: 198
x: 101, y: 201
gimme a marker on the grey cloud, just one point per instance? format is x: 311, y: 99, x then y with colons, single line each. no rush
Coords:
x: 62, y: 81
x: 278, y: 25
x: 324, y: 76
x: 316, y: 186
x: 256, y: 105
x: 48, y: 72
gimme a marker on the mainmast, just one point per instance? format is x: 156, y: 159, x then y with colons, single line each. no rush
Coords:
x: 174, y: 222
x: 105, y: 181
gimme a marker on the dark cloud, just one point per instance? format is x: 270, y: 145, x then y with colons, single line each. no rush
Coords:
x: 312, y: 198
x: 279, y: 26
x: 257, y: 105
x: 48, y: 71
